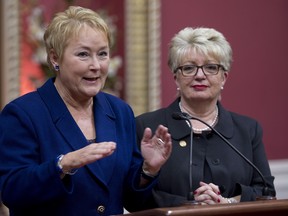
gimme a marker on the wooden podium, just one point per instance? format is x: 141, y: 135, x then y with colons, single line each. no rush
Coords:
x: 267, y: 207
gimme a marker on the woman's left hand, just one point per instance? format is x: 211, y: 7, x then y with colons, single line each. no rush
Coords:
x: 208, y: 194
x: 156, y: 149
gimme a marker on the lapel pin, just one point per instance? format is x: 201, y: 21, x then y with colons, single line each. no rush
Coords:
x: 182, y: 143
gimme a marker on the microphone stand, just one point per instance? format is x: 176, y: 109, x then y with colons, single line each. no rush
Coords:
x: 266, y: 195
x: 190, y: 196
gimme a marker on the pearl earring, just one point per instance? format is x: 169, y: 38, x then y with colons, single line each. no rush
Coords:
x: 178, y: 89
x: 222, y: 87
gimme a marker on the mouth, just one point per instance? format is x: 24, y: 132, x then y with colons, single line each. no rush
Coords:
x: 199, y: 87
x: 91, y: 79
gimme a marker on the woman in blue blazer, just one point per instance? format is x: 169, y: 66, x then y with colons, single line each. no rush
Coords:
x: 202, y: 163
x: 68, y: 148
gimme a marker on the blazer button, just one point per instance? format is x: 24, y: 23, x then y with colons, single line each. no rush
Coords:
x: 101, y: 209
x: 216, y: 161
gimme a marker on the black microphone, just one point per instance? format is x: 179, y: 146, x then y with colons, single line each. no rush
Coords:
x: 190, y: 196
x: 266, y: 193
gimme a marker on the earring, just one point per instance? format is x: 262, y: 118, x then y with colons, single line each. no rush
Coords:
x: 222, y: 87
x: 178, y: 89
x: 56, y: 67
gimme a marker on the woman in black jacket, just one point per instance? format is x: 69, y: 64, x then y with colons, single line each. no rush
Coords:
x: 202, y: 166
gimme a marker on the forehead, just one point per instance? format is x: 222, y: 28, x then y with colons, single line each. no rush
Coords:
x: 193, y: 55
x: 89, y: 35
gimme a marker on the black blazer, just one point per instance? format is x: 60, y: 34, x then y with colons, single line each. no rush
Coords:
x: 213, y: 160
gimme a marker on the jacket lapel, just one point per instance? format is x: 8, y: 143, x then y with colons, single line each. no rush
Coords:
x: 61, y: 117
x: 104, y: 118
x: 225, y: 122
x: 178, y: 128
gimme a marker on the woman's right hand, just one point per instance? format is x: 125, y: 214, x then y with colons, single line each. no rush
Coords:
x: 87, y: 155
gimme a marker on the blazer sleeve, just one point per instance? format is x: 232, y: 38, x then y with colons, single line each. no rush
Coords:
x: 19, y: 146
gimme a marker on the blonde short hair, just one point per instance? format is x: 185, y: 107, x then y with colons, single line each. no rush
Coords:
x: 68, y: 24
x: 206, y: 41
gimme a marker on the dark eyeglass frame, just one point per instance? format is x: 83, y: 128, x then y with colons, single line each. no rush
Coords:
x: 219, y: 66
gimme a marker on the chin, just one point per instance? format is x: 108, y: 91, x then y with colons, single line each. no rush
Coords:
x: 92, y: 93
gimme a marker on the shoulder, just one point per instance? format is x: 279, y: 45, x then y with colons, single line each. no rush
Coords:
x: 161, y: 113
x: 27, y: 102
x: 153, y: 115
x: 112, y: 104
x: 243, y: 119
x: 241, y: 123
x: 231, y: 122
x: 111, y: 99
x: 236, y: 118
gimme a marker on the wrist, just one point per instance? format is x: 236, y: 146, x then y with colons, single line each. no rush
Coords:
x: 148, y: 176
x: 149, y: 171
x: 61, y: 169
x: 231, y: 200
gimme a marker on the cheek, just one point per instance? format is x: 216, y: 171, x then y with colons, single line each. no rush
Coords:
x: 104, y: 67
x: 217, y: 83
x: 217, y: 80
x: 185, y: 83
x: 180, y: 81
x: 73, y: 65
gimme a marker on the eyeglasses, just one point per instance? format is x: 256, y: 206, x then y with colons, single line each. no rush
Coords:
x: 191, y: 70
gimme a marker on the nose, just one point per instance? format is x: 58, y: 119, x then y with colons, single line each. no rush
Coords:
x: 95, y: 64
x: 200, y: 72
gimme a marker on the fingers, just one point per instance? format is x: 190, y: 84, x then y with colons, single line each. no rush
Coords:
x: 100, y: 150
x: 160, y: 141
x: 147, y: 135
x: 162, y: 132
x: 208, y: 197
x: 208, y: 193
x: 161, y: 137
x: 204, y: 186
x: 156, y: 148
x: 89, y: 154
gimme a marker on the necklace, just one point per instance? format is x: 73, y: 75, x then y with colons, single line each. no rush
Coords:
x: 200, y: 129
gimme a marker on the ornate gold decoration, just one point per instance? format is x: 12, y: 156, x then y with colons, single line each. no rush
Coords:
x: 143, y: 54
x: 9, y: 51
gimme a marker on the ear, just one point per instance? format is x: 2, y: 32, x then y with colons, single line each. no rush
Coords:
x: 176, y: 80
x: 224, y: 78
x: 174, y: 76
x: 53, y: 57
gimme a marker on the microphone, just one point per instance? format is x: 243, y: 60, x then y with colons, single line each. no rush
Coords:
x: 266, y: 193
x: 190, y: 196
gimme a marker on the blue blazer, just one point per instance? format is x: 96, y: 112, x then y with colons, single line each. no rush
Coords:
x: 213, y: 160
x: 37, y: 127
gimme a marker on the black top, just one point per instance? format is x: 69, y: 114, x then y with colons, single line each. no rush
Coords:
x: 213, y: 160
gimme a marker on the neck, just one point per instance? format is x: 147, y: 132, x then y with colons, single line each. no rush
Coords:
x: 199, y: 109
x: 210, y: 116
x: 71, y: 103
